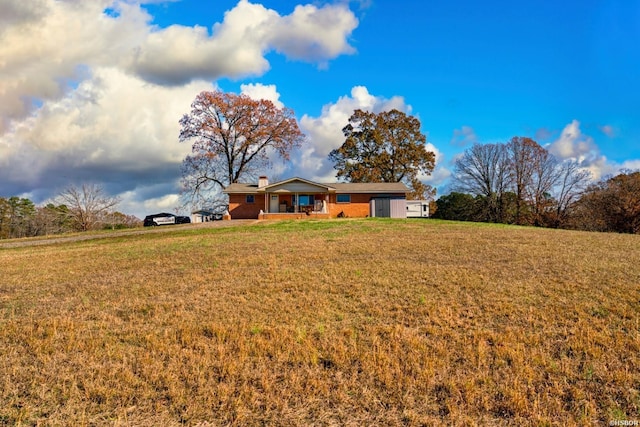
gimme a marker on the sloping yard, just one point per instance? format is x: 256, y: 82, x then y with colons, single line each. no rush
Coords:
x: 339, y: 322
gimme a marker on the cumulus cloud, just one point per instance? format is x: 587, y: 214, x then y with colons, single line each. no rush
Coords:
x: 237, y: 46
x: 575, y: 145
x: 260, y: 91
x: 41, y: 59
x: 34, y: 67
x: 463, y: 137
x: 314, y: 34
x: 113, y: 128
x: 18, y: 12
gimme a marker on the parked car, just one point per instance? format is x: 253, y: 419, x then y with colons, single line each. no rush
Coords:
x: 165, y: 219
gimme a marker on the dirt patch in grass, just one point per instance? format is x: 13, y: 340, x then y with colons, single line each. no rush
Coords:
x: 355, y: 322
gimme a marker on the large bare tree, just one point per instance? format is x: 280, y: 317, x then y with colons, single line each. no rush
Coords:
x: 484, y: 170
x: 232, y: 138
x: 521, y: 174
x: 527, y: 158
x: 571, y: 181
x: 87, y: 205
x: 385, y: 147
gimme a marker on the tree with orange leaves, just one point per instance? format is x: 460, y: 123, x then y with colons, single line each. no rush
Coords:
x: 385, y: 147
x: 232, y: 137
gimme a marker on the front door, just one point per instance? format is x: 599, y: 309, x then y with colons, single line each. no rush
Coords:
x: 273, y: 203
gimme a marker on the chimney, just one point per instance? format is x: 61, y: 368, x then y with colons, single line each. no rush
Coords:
x: 263, y: 181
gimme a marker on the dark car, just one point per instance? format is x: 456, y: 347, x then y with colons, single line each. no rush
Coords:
x: 165, y: 219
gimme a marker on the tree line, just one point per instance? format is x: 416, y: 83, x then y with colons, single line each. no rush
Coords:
x: 74, y: 209
x: 520, y: 182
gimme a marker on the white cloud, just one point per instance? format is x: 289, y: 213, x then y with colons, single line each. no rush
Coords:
x: 42, y: 58
x: 633, y: 165
x: 113, y: 128
x: 574, y: 145
x: 259, y: 91
x: 440, y: 173
x: 314, y: 34
x: 236, y: 47
x: 49, y: 46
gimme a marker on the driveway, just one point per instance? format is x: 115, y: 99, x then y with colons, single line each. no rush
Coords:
x: 92, y: 235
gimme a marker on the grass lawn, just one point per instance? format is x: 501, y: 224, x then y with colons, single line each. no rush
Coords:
x: 336, y: 322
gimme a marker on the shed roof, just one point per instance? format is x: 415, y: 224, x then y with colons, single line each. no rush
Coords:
x: 370, y: 187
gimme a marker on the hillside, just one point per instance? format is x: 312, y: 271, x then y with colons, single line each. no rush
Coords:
x: 339, y: 322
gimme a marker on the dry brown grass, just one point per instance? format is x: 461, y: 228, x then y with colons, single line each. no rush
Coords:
x: 352, y: 322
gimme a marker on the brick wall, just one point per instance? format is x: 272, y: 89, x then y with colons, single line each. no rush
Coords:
x: 358, y: 208
x: 240, y: 209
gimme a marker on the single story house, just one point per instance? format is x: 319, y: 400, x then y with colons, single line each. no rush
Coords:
x: 300, y: 198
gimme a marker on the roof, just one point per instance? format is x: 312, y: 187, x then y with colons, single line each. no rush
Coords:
x: 341, y: 187
x: 203, y: 212
x: 370, y: 187
x: 328, y: 187
x: 241, y: 188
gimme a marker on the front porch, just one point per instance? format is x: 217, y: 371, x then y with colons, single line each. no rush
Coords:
x: 293, y: 215
x: 295, y: 199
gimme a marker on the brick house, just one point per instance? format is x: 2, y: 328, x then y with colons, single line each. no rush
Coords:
x: 301, y: 198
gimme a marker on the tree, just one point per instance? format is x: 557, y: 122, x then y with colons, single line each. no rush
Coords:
x: 612, y: 204
x: 51, y: 219
x: 457, y: 207
x: 570, y: 183
x: 521, y: 181
x: 483, y: 170
x: 87, y: 206
x: 16, y: 217
x: 385, y: 147
x: 529, y: 168
x: 119, y: 220
x: 232, y: 137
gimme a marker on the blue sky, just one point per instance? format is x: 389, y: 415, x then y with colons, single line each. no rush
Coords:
x: 94, y: 92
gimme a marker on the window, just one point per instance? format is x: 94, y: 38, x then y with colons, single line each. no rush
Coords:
x: 303, y: 200
x: 343, y: 198
x: 250, y: 198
